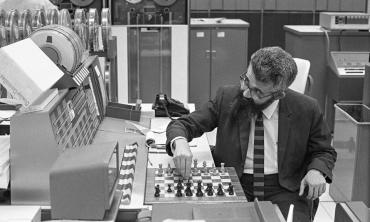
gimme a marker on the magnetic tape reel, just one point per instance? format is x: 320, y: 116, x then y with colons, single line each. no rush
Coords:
x: 3, y: 41
x: 11, y: 24
x: 93, y: 21
x: 25, y: 24
x: 61, y: 44
x: 52, y: 16
x: 82, y: 3
x: 80, y: 27
x: 106, y: 26
x: 39, y: 19
x: 133, y: 1
x: 65, y: 18
x: 164, y: 2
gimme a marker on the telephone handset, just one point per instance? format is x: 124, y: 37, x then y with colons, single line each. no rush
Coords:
x: 164, y: 106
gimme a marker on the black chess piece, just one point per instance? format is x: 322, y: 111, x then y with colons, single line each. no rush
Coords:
x: 220, y: 190
x: 188, y: 191
x: 179, y: 185
x: 209, y: 187
x: 188, y: 184
x: 169, y: 190
x: 210, y: 192
x: 199, y: 192
x: 157, y: 191
x: 230, y: 189
x: 178, y: 193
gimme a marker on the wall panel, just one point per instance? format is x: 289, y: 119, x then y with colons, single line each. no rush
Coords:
x: 255, y: 4
x: 270, y: 4
x: 242, y: 4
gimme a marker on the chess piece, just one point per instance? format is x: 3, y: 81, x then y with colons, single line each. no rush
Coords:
x: 204, y: 170
x: 188, y: 184
x: 160, y: 170
x: 210, y: 192
x: 199, y: 192
x: 209, y: 187
x: 215, y: 171
x: 169, y: 170
x: 178, y: 193
x: 169, y: 190
x: 220, y: 191
x: 195, y: 163
x: 179, y: 185
x: 157, y: 191
x: 230, y: 189
x: 195, y: 168
x: 222, y: 168
x: 188, y: 191
x: 199, y: 184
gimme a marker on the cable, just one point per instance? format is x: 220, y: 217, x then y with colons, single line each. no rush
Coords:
x: 327, y: 51
x: 339, y: 40
x: 167, y: 113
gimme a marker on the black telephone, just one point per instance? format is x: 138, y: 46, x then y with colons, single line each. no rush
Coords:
x: 164, y: 106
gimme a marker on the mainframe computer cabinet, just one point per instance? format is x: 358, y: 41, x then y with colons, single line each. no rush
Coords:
x: 218, y: 55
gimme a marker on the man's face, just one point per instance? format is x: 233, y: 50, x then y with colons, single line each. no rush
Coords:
x: 261, y: 93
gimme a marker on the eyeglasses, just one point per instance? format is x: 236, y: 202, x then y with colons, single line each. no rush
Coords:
x: 261, y: 95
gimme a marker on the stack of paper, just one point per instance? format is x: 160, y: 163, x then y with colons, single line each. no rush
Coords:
x: 26, y: 71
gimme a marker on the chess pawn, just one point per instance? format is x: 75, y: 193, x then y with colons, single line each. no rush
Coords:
x: 220, y: 191
x: 169, y: 170
x: 204, y: 170
x: 210, y: 192
x: 222, y: 168
x: 209, y: 187
x: 169, y: 190
x: 157, y: 191
x: 230, y: 189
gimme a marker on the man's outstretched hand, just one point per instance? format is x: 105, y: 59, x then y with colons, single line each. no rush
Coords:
x: 315, y: 182
x: 182, y: 157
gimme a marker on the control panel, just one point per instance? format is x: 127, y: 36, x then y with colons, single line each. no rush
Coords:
x: 350, y: 63
x: 345, y: 20
x: 143, y: 12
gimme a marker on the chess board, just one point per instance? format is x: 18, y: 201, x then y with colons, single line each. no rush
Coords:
x: 164, y: 179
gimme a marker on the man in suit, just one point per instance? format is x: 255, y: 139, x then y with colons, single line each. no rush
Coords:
x: 275, y: 138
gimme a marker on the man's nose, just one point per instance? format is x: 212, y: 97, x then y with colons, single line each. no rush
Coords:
x: 247, y: 93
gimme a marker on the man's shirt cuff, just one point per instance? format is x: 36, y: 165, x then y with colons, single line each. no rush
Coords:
x: 173, y: 140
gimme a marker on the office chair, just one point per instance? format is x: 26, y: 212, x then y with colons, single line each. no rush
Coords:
x: 303, y: 81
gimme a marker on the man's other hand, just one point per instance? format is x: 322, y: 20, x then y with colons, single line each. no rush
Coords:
x: 316, y: 184
x: 182, y: 157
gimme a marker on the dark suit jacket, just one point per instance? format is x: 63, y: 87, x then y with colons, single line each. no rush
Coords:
x: 303, y: 140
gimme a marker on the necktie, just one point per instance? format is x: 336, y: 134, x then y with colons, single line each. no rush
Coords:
x: 258, y: 159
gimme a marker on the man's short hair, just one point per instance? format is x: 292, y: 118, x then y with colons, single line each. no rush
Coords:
x: 273, y: 64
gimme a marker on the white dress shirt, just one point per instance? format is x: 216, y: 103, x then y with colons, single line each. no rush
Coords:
x: 271, y: 125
